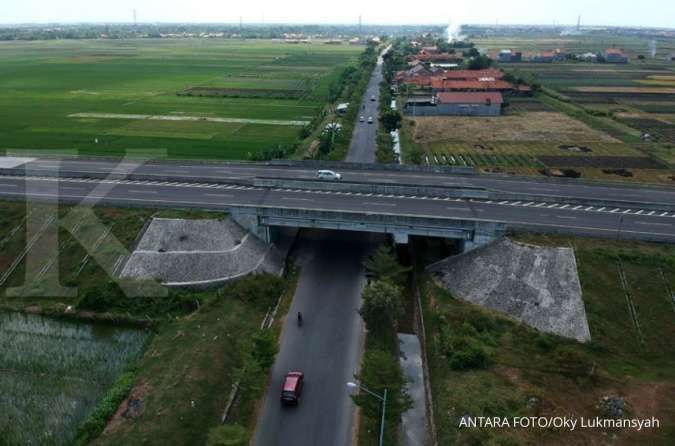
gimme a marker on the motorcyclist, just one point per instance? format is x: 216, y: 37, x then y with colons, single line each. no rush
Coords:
x: 299, y: 318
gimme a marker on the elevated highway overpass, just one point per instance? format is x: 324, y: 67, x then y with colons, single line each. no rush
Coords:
x: 473, y: 208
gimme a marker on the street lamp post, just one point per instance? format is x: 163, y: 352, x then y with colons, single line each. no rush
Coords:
x: 383, y: 404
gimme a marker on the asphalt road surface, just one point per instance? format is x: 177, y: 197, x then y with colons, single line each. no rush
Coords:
x: 327, y: 347
x: 224, y: 172
x: 583, y: 220
x: 363, y: 143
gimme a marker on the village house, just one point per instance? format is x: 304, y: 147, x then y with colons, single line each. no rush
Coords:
x: 510, y: 56
x: 614, y: 55
x: 481, y: 84
x: 549, y: 57
x: 588, y: 57
x: 456, y: 104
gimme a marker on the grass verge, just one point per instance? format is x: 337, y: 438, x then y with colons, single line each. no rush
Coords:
x: 484, y: 364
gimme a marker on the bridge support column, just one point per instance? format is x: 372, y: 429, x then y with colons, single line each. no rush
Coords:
x: 252, y: 223
x: 400, y: 238
x: 483, y: 234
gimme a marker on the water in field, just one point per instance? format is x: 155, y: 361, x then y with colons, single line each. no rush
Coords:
x: 53, y: 373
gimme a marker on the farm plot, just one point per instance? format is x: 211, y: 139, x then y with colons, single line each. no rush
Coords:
x: 529, y: 126
x: 227, y: 79
x: 54, y: 372
x: 524, y: 105
x: 660, y: 130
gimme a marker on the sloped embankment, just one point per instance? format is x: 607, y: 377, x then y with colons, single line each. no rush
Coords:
x: 536, y: 285
x: 200, y: 253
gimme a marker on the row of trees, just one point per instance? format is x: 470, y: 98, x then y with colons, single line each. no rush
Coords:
x: 383, y: 306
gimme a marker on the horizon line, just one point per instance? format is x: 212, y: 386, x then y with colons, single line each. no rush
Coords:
x: 268, y: 24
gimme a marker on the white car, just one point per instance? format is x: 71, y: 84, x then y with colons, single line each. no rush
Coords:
x: 370, y: 119
x: 362, y: 119
x: 328, y: 175
x: 372, y: 98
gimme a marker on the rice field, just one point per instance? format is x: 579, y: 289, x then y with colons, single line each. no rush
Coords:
x: 48, y: 85
x: 591, y: 117
x: 54, y: 372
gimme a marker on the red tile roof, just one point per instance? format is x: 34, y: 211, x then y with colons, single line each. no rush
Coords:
x: 440, y: 57
x: 472, y: 74
x: 492, y: 97
x: 442, y: 84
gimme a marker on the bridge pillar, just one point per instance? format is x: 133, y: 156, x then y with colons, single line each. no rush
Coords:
x: 483, y: 234
x: 251, y: 222
x: 400, y: 238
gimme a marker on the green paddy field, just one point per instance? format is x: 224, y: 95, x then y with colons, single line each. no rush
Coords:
x: 78, y: 95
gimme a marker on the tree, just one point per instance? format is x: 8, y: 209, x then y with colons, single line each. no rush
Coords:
x: 641, y: 57
x: 415, y: 156
x: 326, y: 143
x: 383, y: 265
x: 480, y: 63
x: 380, y: 370
x: 391, y: 120
x: 382, y: 306
x: 473, y: 52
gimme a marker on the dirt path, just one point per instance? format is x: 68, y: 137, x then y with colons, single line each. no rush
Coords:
x: 187, y: 118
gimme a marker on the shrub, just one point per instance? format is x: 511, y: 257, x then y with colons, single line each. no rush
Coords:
x: 264, y: 348
x: 97, y: 421
x: 261, y: 290
x: 109, y: 297
x: 545, y: 342
x: 227, y: 435
x: 467, y: 354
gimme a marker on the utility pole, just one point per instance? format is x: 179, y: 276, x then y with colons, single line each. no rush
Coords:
x: 579, y: 23
x: 135, y: 22
x: 360, y: 24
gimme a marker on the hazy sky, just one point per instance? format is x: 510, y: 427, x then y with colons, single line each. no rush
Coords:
x: 603, y: 12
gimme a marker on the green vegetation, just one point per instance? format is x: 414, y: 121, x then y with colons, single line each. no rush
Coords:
x: 385, y: 153
x: 484, y: 364
x: 54, y: 372
x: 352, y: 92
x: 381, y: 310
x: 253, y: 81
x: 384, y: 266
x: 76, y: 268
x: 382, y: 306
x: 98, y: 419
x: 186, y: 376
x: 227, y: 435
x: 618, y: 103
x: 205, y: 342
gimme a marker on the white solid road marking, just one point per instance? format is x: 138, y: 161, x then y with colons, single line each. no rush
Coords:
x: 566, y: 217
x: 8, y: 185
x: 457, y: 209
x: 135, y: 191
x: 192, y: 202
x: 219, y: 195
x: 296, y: 199
x: 372, y: 203
x: 652, y: 223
